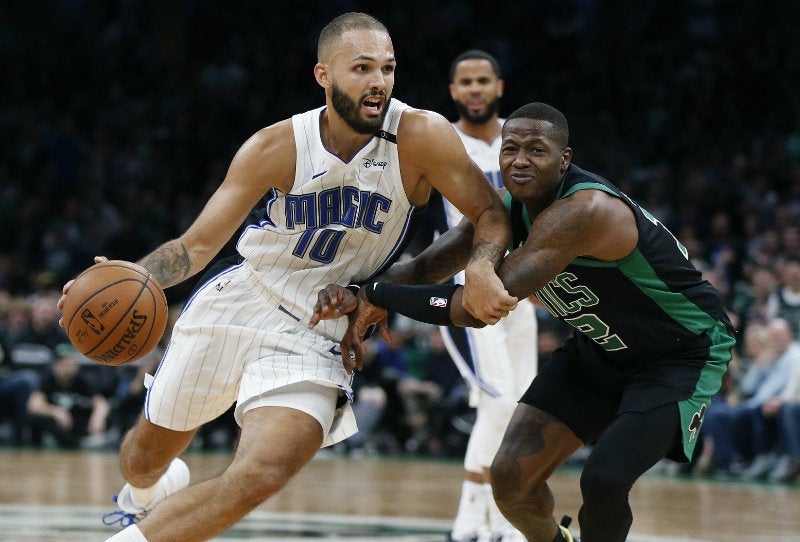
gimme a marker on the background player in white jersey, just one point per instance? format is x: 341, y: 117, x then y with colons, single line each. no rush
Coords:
x: 332, y: 208
x: 498, y: 362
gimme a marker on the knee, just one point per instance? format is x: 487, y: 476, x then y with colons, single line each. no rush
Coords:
x: 599, y: 484
x: 256, y: 481
x: 137, y: 461
x: 147, y: 451
x: 508, y: 486
x: 502, y: 473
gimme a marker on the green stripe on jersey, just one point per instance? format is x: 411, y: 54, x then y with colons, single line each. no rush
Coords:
x: 639, y: 271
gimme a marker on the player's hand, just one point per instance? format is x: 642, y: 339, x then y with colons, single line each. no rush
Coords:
x: 333, y: 301
x: 65, y: 289
x: 365, y: 315
x: 484, y: 295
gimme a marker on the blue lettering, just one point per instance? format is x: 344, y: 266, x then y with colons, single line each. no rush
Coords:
x: 302, y: 245
x: 350, y: 206
x: 362, y: 207
x: 326, y: 245
x: 301, y: 210
x: 376, y: 203
x: 330, y: 207
x: 347, y: 206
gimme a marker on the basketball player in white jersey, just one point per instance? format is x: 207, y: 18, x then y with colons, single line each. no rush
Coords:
x: 335, y: 190
x: 498, y: 362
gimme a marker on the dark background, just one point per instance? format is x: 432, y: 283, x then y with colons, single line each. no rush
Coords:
x: 118, y: 118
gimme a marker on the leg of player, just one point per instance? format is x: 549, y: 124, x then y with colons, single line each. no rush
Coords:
x: 534, y: 446
x: 494, y: 414
x: 276, y: 442
x: 631, y: 445
x: 148, y: 461
x: 472, y: 515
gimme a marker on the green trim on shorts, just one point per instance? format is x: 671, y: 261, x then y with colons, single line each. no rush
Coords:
x: 693, y: 410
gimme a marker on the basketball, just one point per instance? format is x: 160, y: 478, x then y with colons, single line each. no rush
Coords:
x: 115, y: 313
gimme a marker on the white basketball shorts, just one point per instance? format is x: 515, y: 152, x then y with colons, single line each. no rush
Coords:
x: 232, y: 344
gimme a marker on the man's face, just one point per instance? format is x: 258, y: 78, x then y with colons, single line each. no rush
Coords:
x: 791, y: 275
x: 476, y: 90
x: 352, y: 110
x: 361, y: 77
x: 531, y: 160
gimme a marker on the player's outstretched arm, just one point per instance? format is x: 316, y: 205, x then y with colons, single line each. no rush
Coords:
x: 264, y: 161
x: 440, y: 261
x: 437, y: 304
x: 432, y: 152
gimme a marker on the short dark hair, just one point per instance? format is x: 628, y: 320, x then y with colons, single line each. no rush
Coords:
x: 543, y: 111
x: 475, y: 53
x: 343, y: 23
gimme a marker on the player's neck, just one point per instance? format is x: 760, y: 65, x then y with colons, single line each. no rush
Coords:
x: 487, y: 131
x: 339, y: 138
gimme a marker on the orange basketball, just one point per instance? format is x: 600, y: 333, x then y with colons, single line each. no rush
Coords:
x: 115, y: 313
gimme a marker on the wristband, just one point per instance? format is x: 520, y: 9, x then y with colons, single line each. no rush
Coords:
x: 353, y: 288
x: 429, y: 303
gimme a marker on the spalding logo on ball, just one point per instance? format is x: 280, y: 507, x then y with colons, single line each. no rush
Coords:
x: 115, y: 313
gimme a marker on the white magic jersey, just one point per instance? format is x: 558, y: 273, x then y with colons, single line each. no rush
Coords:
x: 342, y: 222
x: 244, y: 331
x: 486, y: 156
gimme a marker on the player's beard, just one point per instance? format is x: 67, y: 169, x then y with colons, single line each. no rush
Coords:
x: 479, y: 118
x: 348, y: 109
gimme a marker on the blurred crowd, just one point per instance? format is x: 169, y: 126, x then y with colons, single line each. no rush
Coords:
x: 118, y: 118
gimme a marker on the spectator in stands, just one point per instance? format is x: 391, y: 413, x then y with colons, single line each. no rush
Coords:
x: 68, y: 405
x: 431, y: 391
x: 16, y: 386
x: 784, y: 302
x: 752, y: 292
x: 731, y: 429
x: 33, y: 344
x: 370, y: 400
x: 785, y: 409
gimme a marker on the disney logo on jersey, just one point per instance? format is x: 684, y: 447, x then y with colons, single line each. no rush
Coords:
x: 369, y: 162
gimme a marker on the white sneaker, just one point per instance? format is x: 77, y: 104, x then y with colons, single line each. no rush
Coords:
x: 175, y: 479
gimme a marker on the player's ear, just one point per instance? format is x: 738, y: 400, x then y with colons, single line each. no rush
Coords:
x: 566, y: 158
x: 452, y: 88
x: 501, y: 86
x: 321, y: 75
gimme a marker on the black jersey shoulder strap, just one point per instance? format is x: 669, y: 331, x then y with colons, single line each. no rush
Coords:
x: 519, y: 230
x: 388, y: 136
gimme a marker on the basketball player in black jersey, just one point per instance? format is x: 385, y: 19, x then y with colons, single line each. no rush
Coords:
x: 651, y: 338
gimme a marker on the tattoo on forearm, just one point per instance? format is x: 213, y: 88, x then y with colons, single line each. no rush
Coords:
x: 486, y: 250
x: 169, y: 263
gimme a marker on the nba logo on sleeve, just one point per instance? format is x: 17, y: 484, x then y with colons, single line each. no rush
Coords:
x: 438, y: 302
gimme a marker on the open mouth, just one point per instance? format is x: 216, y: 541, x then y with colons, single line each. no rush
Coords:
x: 373, y: 105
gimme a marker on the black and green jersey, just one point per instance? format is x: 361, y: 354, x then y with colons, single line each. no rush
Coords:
x: 650, y: 304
